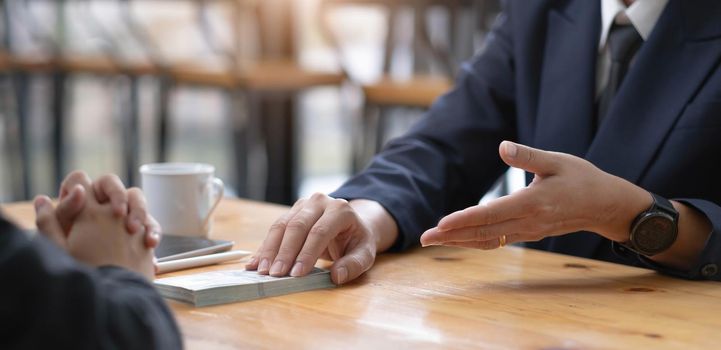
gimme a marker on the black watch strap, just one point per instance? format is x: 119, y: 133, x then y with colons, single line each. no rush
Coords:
x: 663, y: 204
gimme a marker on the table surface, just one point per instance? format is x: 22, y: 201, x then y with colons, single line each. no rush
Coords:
x: 441, y: 297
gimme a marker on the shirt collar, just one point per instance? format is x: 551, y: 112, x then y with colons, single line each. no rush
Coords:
x: 642, y: 14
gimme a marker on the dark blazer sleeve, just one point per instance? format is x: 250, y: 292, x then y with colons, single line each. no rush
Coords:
x: 51, y: 301
x: 708, y: 263
x: 450, y: 158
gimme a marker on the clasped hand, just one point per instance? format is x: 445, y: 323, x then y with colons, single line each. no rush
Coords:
x: 100, y: 223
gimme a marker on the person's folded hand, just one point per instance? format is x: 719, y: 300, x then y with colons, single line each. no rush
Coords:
x: 125, y: 203
x: 96, y: 213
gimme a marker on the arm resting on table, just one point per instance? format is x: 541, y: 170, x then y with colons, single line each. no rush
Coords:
x: 54, y: 301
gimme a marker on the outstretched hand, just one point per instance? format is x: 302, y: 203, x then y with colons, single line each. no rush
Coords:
x: 567, y: 194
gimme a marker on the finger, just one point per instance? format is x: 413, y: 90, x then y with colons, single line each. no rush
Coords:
x: 483, y: 245
x: 490, y: 244
x: 109, y: 188
x: 355, y: 263
x: 137, y: 207
x: 153, y: 234
x: 145, y: 256
x: 517, y: 237
x: 265, y: 254
x: 152, y: 238
x: 47, y: 221
x: 517, y: 205
x: 333, y: 221
x: 76, y: 178
x: 262, y: 259
x: 478, y: 233
x: 252, y: 264
x: 530, y: 159
x: 70, y: 207
x: 295, y: 235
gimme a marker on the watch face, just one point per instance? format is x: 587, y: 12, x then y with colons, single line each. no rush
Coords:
x: 654, y: 234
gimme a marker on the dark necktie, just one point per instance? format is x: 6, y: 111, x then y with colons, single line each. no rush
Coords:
x: 623, y: 42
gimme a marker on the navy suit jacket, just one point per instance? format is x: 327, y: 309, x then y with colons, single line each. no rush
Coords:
x: 534, y: 83
x: 52, y: 301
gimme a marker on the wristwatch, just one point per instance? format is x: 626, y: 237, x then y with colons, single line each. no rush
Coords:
x: 654, y: 230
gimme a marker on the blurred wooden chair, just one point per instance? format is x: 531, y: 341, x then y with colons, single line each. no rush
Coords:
x: 62, y: 66
x: 20, y: 71
x: 423, y: 87
x: 248, y: 83
x: 417, y: 91
x: 10, y: 137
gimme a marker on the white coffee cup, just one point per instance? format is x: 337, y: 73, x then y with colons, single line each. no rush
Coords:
x: 182, y: 196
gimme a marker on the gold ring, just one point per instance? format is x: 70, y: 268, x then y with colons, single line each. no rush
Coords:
x: 501, y: 241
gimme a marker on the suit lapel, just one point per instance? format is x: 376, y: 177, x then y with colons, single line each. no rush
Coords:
x: 566, y: 98
x: 564, y: 121
x: 669, y: 69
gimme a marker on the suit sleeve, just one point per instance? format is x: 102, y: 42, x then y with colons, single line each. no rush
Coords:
x: 450, y: 158
x: 57, y: 302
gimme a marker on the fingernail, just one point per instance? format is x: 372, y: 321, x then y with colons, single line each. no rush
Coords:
x: 297, y: 269
x: 252, y: 262
x: 263, y: 267
x: 342, y: 275
x: 511, y: 149
x: 277, y: 268
x: 425, y: 241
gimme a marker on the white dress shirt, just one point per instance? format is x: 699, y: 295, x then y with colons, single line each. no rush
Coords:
x: 642, y: 14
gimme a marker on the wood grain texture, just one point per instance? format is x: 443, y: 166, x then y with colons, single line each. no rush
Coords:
x: 455, y: 298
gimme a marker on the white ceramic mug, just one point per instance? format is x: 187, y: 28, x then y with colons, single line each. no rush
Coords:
x: 182, y: 196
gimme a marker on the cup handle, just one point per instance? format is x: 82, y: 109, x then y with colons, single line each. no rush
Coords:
x: 218, y: 190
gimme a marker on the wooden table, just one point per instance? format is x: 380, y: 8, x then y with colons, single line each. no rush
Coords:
x: 455, y: 298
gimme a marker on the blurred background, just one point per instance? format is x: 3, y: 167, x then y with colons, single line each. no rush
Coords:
x: 283, y: 97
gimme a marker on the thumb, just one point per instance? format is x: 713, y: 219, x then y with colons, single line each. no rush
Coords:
x: 352, y: 265
x: 70, y: 207
x: 529, y: 159
x: 46, y: 221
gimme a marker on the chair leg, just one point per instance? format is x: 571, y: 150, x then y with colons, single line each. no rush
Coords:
x: 131, y: 145
x: 164, y: 91
x: 250, y: 150
x: 380, y: 136
x: 278, y: 125
x: 59, y: 80
x: 363, y: 138
x: 358, y: 139
x: 238, y: 117
x: 22, y: 188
